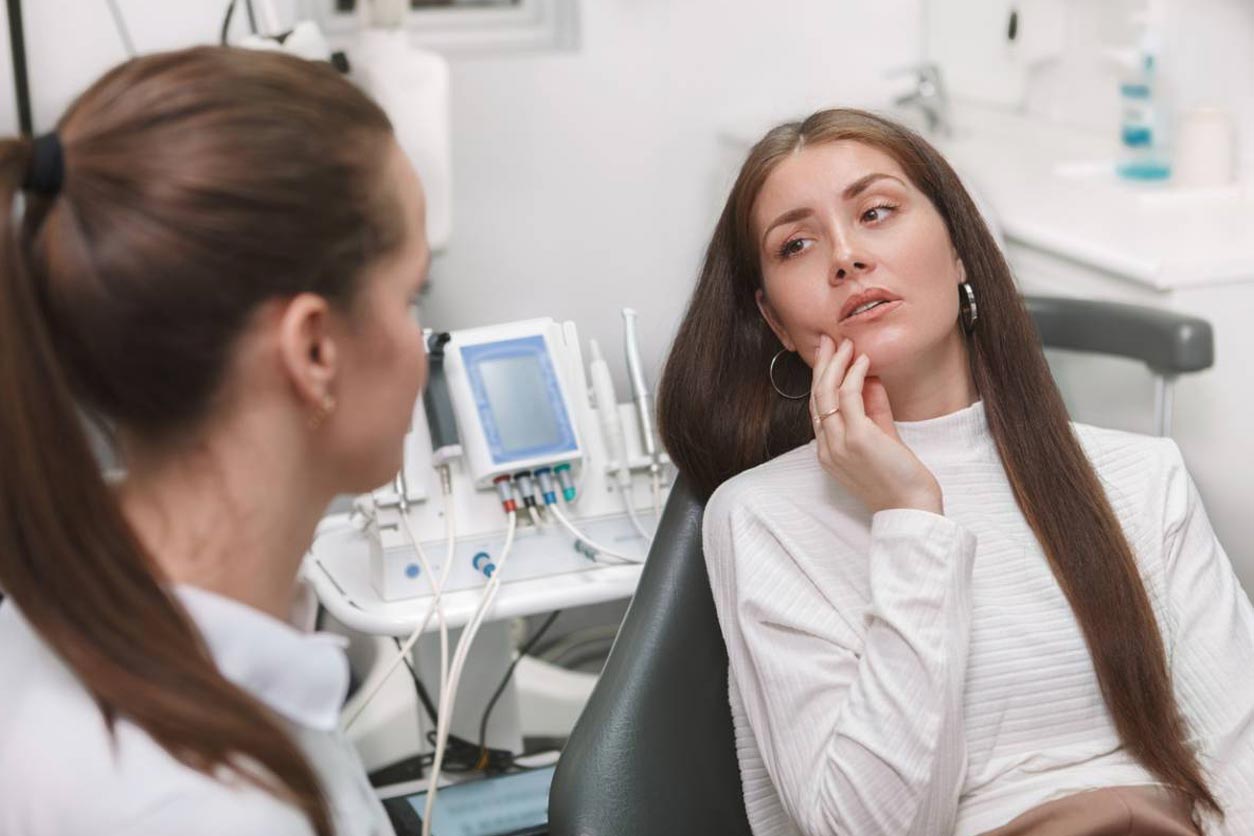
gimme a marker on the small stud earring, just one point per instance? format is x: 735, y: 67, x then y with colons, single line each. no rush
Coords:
x: 323, y: 411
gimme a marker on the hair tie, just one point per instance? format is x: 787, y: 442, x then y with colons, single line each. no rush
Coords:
x: 47, y: 165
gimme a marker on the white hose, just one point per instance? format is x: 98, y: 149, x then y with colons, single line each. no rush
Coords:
x: 437, y: 590
x: 579, y: 535
x: 448, y: 695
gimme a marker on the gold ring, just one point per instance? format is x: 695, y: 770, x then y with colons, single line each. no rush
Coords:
x: 828, y: 414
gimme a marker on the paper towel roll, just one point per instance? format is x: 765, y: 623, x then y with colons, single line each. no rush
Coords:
x: 412, y: 87
x: 1206, y: 149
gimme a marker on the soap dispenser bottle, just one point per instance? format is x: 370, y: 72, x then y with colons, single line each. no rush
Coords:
x: 1143, y: 154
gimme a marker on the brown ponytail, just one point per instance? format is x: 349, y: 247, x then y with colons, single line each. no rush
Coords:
x: 198, y: 184
x: 718, y: 417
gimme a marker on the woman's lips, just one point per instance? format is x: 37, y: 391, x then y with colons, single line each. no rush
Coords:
x: 878, y: 312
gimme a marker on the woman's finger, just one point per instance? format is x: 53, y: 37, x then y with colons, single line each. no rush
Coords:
x: 828, y: 381
x: 822, y: 357
x: 824, y: 448
x: 829, y: 432
x: 878, y: 409
x: 850, y: 392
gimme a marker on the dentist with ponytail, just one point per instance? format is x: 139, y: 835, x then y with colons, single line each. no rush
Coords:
x: 215, y: 254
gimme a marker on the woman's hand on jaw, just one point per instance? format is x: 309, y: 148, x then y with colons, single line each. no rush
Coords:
x: 858, y: 444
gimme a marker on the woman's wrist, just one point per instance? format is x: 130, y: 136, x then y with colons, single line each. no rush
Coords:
x: 930, y: 501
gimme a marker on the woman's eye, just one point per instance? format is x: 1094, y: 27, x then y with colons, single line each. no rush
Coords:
x: 793, y: 246
x: 878, y: 213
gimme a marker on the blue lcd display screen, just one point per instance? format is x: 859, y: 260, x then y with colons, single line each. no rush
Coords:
x: 505, y: 805
x: 518, y: 399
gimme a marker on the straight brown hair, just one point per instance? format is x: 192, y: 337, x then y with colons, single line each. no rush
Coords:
x: 198, y: 184
x: 719, y: 416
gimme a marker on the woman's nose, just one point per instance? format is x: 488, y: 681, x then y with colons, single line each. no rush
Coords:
x: 849, y: 260
x: 843, y: 272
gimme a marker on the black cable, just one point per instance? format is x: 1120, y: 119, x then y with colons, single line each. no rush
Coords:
x: 230, y: 13
x: 460, y: 755
x: 124, y: 32
x: 226, y: 21
x: 17, y: 50
x: 423, y: 696
x: 500, y: 689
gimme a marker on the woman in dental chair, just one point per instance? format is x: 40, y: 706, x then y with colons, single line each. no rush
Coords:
x: 217, y: 251
x: 947, y: 609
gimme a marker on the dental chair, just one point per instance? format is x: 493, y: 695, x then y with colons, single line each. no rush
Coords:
x: 1170, y: 344
x: 653, y: 752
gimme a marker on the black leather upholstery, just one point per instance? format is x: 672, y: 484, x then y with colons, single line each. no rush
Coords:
x: 653, y: 753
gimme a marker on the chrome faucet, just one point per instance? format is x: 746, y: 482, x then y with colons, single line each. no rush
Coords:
x: 928, y: 96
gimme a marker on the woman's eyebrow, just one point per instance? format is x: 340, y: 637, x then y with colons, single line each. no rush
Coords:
x: 788, y: 217
x: 860, y: 185
x: 851, y: 191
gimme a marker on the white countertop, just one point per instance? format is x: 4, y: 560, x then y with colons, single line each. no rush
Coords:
x: 1053, y: 188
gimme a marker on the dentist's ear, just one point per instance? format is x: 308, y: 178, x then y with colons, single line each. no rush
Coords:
x: 307, y: 350
x: 962, y: 270
x: 768, y: 313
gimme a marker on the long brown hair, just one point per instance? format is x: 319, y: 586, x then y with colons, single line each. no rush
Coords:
x: 718, y: 416
x: 198, y: 184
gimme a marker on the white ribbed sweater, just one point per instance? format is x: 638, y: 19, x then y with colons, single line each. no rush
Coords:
x: 910, y: 673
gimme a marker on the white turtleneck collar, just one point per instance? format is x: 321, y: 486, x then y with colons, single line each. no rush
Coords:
x: 958, y: 434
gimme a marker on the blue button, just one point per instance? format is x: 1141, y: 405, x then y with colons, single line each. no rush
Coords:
x: 412, y: 570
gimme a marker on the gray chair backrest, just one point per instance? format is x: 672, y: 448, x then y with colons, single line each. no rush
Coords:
x: 1169, y: 343
x: 653, y: 753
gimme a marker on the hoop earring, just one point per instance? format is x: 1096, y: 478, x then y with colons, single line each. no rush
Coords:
x: 775, y: 386
x: 968, y: 311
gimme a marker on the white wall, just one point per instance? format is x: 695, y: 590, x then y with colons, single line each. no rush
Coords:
x: 587, y: 181
x: 1206, y: 58
x: 69, y: 43
x: 583, y: 181
x: 590, y: 181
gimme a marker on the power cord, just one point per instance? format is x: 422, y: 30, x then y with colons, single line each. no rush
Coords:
x: 424, y: 696
x: 124, y: 32
x: 509, y: 673
x: 462, y: 755
x: 224, y: 38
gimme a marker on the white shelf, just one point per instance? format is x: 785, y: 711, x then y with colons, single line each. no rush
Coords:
x: 341, y: 578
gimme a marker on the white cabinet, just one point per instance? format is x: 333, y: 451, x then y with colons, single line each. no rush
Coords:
x: 1214, y: 409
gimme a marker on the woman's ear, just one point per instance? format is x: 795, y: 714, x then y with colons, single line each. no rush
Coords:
x: 768, y: 313
x: 307, y: 350
x: 962, y: 269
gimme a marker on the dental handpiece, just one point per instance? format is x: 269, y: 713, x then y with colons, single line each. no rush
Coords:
x: 607, y: 408
x: 640, y: 393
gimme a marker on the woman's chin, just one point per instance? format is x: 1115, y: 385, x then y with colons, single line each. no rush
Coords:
x: 881, y: 352
x: 370, y: 474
